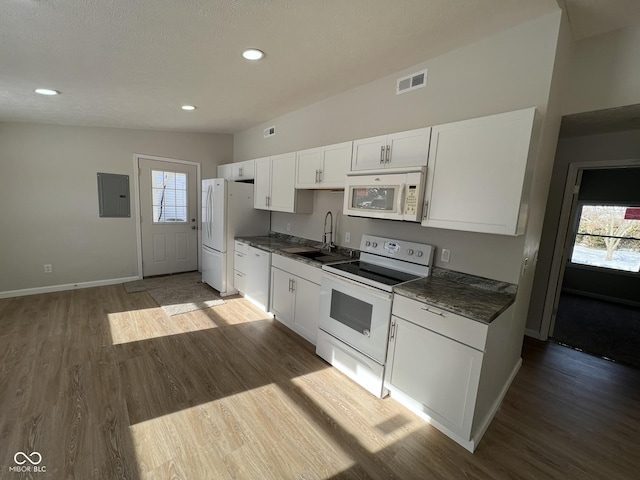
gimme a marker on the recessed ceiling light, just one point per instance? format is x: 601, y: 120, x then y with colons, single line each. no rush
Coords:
x: 188, y: 107
x: 46, y: 91
x: 253, y: 54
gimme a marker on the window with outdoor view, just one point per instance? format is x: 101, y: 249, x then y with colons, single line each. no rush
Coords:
x: 169, y: 196
x: 608, y: 236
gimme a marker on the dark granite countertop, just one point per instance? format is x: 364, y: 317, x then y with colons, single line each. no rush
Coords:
x: 276, y: 242
x: 477, y: 298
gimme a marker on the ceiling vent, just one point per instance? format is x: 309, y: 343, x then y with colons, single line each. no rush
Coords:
x: 411, y: 82
x: 269, y: 132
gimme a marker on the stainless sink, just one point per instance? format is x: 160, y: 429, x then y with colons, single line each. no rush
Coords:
x: 301, y: 250
x: 315, y: 254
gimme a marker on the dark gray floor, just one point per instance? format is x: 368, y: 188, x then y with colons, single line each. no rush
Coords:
x: 600, y: 328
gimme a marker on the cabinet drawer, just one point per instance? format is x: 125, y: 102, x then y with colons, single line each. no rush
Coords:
x: 241, y: 247
x: 239, y: 281
x: 239, y: 261
x: 456, y: 327
x: 302, y: 270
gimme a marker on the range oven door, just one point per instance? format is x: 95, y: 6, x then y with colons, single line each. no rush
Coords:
x: 356, y: 314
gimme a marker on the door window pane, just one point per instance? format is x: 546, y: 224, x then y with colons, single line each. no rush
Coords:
x: 608, y: 236
x: 169, y: 196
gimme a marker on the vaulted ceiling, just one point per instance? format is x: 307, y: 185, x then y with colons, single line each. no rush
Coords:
x: 133, y: 63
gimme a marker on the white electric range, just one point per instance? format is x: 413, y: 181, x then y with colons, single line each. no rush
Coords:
x: 355, y: 306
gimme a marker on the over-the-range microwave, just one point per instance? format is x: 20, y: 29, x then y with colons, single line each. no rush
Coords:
x: 389, y: 194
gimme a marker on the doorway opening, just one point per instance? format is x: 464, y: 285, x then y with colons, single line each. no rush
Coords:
x: 169, y: 215
x: 596, y: 304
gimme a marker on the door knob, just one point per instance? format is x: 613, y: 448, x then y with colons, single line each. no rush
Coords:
x: 194, y: 228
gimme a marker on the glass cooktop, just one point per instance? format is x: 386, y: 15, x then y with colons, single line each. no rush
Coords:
x: 376, y: 273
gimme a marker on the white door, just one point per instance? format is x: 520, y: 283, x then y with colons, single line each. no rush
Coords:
x: 168, y: 216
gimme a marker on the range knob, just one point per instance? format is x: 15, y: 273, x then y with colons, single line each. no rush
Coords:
x: 375, y: 244
x: 367, y: 243
x: 418, y: 253
x: 410, y: 251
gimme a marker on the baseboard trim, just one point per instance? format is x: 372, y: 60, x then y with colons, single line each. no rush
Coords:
x: 68, y: 286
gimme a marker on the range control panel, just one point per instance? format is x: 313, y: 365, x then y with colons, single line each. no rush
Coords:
x: 402, y: 250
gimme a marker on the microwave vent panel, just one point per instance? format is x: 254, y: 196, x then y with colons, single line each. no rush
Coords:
x: 411, y: 82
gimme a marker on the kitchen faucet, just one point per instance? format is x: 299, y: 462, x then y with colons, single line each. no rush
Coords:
x: 329, y: 245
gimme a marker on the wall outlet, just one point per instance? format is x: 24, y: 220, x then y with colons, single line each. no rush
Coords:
x: 288, y: 227
x: 347, y: 237
x: 445, y: 255
x: 48, y: 268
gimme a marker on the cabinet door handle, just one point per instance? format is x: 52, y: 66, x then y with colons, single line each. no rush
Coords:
x: 393, y: 331
x: 381, y: 154
x: 293, y: 285
x: 433, y: 311
x: 388, y: 156
x: 366, y: 333
x: 425, y: 208
x: 319, y: 176
x: 240, y: 170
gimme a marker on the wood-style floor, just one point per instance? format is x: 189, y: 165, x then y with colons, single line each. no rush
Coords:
x: 105, y: 386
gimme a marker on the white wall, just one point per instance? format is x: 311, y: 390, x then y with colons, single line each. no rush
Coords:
x: 605, y: 72
x: 48, y: 193
x: 508, y: 71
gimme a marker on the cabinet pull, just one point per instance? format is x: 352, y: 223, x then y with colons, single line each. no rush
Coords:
x: 393, y: 331
x: 424, y: 209
x: 266, y: 201
x: 433, y: 311
x: 366, y: 333
x: 381, y: 154
x: 293, y: 285
x: 240, y: 170
x: 388, y: 156
x: 319, y: 176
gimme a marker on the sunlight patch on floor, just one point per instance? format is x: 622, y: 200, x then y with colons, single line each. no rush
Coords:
x: 138, y: 325
x: 329, y: 386
x: 259, y: 433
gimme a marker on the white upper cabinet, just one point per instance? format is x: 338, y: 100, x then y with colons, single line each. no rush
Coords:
x: 238, y: 171
x: 396, y: 150
x: 241, y: 171
x: 323, y: 167
x: 274, y: 186
x: 224, y: 171
x: 479, y: 175
x: 262, y: 183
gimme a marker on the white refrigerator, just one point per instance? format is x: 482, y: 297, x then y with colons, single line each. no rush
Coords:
x: 227, y: 212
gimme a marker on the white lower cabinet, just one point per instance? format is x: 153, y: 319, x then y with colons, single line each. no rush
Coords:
x: 450, y: 370
x: 295, y: 295
x: 251, y: 274
x: 436, y: 372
